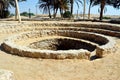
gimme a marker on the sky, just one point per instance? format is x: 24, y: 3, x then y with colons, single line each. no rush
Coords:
x: 31, y: 4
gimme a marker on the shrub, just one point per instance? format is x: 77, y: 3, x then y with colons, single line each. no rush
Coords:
x: 106, y: 17
x: 4, y: 14
x: 26, y: 14
x: 67, y: 14
x: 116, y: 21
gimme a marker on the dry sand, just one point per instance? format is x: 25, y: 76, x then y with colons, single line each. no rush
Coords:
x: 107, y: 68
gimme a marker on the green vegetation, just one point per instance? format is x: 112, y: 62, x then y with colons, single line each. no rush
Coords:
x: 67, y: 5
x: 5, y: 5
x: 5, y: 14
x: 26, y: 14
x: 67, y: 14
x: 106, y: 17
x: 52, y: 6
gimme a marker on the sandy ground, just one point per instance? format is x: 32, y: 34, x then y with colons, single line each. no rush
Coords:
x: 107, y: 68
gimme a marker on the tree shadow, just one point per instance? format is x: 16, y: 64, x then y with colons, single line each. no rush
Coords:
x: 94, y: 58
x: 1, y: 48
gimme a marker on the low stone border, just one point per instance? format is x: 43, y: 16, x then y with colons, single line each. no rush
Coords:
x: 46, y: 54
x: 106, y: 29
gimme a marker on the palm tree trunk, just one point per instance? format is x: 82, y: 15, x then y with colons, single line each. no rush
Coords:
x: 89, y: 10
x: 16, y: 14
x: 61, y: 12
x: 56, y: 12
x: 102, y: 5
x: 1, y: 10
x: 49, y: 12
x: 71, y: 2
x: 17, y: 8
x: 84, y: 9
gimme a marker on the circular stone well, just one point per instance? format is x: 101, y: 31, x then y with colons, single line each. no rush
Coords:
x: 60, y: 42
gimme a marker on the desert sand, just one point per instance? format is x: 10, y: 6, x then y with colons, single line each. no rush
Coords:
x: 106, y: 68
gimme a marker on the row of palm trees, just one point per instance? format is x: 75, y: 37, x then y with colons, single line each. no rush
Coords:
x: 55, y: 5
x: 102, y: 4
x: 64, y: 5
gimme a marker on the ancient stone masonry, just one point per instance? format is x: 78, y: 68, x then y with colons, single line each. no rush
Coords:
x: 60, y: 40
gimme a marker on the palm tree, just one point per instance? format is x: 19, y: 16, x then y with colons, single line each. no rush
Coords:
x: 64, y: 5
x: 1, y: 8
x: 72, y: 2
x: 55, y: 6
x: 12, y: 3
x: 90, y: 4
x: 116, y: 4
x: 9, y: 3
x: 45, y: 5
x: 17, y: 8
x: 4, y: 5
x: 84, y: 9
x: 102, y: 6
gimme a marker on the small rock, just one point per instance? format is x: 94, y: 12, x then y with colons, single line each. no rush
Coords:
x: 6, y: 75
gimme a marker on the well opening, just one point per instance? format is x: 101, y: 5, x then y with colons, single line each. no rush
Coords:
x: 62, y: 44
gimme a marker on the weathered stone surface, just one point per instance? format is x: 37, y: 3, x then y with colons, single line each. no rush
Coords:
x: 6, y: 75
x: 107, y: 29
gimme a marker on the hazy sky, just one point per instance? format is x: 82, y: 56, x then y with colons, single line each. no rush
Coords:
x: 24, y: 6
